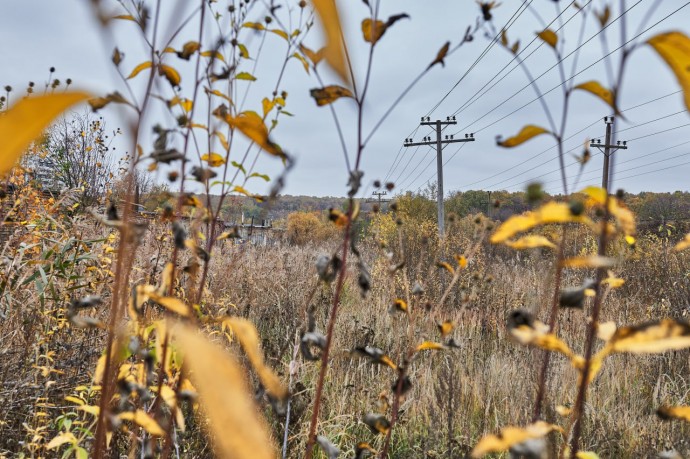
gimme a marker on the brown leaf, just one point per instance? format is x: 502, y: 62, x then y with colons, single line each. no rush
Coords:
x: 440, y: 56
x: 329, y: 94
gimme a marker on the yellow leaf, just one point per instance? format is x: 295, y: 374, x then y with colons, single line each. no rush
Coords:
x: 235, y: 424
x: 654, y: 337
x: 605, y: 330
x: 143, y: 420
x: 254, y: 25
x: 251, y: 125
x: 280, y: 33
x: 586, y: 455
x: 674, y: 412
x: 188, y: 49
x: 249, y: 339
x: 139, y: 68
x: 461, y: 260
x: 267, y: 105
x: 126, y: 17
x: 27, y: 120
x: 314, y: 56
x: 446, y: 328
x: 674, y: 48
x: 330, y: 21
x: 525, y: 134
x: 592, y: 261
x: 511, y: 436
x: 170, y: 74
x: 245, y: 76
x: 684, y: 244
x: 446, y: 266
x: 624, y: 216
x: 213, y: 159
x: 595, y: 88
x: 170, y: 398
x: 76, y: 400
x: 614, y: 282
x: 373, y: 31
x: 429, y: 345
x: 549, y: 36
x: 329, y: 94
x: 400, y: 305
x: 551, y: 212
x: 64, y: 437
x: 171, y: 304
x: 213, y: 54
x: 563, y: 410
x: 530, y: 242
x: 304, y: 62
x: 537, y: 335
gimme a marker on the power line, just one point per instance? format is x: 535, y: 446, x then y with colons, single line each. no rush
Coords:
x: 491, y: 44
x: 507, y: 26
x: 513, y: 167
x: 576, y: 74
x: 570, y: 164
x: 477, y: 96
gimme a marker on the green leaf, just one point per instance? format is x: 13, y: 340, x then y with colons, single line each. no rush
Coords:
x: 263, y: 176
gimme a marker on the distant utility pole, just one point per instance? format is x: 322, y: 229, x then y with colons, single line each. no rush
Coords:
x: 379, y: 200
x: 608, y: 148
x: 438, y: 144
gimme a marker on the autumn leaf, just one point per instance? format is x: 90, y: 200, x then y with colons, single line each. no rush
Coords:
x: 440, y: 56
x: 511, y: 436
x: 446, y: 328
x: 651, y: 338
x: 429, y: 345
x: 26, y: 121
x: 213, y: 54
x: 446, y: 266
x: 249, y: 339
x: 245, y: 76
x: 604, y: 16
x: 595, y: 88
x: 537, y: 334
x: 592, y: 261
x: 188, y: 49
x: 329, y: 94
x: 236, y: 427
x: 525, y: 134
x: 674, y: 412
x: 170, y: 74
x: 551, y: 212
x: 674, y: 48
x: 252, y: 126
x: 143, y: 420
x: 139, y: 68
x: 64, y: 437
x: 530, y: 242
x: 374, y: 30
x: 171, y: 304
x: 314, y: 56
x: 624, y: 216
x: 684, y: 244
x: 330, y: 21
x: 213, y: 159
x: 549, y: 37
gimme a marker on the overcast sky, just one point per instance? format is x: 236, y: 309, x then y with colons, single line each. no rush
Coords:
x: 37, y: 34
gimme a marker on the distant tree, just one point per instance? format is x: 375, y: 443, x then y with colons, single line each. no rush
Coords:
x: 78, y: 149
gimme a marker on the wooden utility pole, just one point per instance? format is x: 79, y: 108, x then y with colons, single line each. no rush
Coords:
x: 379, y: 195
x: 608, y: 148
x: 438, y: 144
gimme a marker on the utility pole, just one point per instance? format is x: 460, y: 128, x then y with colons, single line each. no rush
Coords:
x: 438, y: 144
x: 379, y: 200
x: 608, y: 148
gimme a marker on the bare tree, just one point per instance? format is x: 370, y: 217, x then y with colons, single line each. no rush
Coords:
x: 79, y: 150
